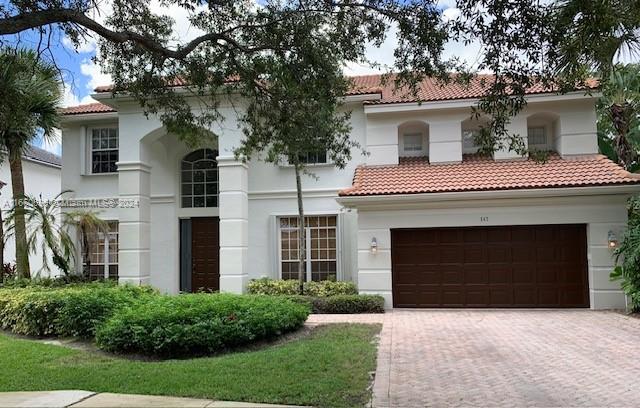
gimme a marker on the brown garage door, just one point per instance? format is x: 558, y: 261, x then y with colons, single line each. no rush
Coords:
x: 513, y: 266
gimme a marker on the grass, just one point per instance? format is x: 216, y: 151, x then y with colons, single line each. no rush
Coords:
x: 329, y: 367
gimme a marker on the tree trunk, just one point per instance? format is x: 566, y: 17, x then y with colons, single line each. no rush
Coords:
x: 301, y: 238
x: 22, y: 252
x: 1, y: 241
x: 86, y: 258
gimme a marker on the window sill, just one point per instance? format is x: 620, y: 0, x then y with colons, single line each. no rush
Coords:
x: 100, y: 174
x: 290, y: 166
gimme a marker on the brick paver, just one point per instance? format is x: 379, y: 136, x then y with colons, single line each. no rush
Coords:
x: 569, y: 358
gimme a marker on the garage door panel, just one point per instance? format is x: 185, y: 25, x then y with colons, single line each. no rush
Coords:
x: 476, y: 275
x: 477, y: 297
x: 453, y: 276
x: 512, y: 266
x: 524, y: 274
x: 474, y: 253
x: 498, y: 254
x: 501, y: 296
x: 500, y: 274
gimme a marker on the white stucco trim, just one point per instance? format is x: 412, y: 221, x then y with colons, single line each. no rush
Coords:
x: 465, y: 103
x: 403, y: 199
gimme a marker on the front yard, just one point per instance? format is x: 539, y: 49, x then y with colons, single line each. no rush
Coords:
x: 329, y: 367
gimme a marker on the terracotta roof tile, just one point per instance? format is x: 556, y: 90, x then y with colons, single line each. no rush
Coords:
x: 475, y: 173
x: 88, y: 108
x: 429, y: 90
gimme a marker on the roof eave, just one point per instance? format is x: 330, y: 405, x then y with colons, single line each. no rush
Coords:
x: 385, y: 107
x: 398, y: 199
x: 81, y: 117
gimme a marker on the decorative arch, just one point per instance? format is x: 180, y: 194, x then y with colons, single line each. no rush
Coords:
x: 413, y: 139
x: 199, y: 179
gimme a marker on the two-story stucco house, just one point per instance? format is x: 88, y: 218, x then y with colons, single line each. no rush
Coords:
x: 421, y: 219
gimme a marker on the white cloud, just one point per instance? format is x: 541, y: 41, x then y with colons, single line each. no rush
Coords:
x: 87, y: 45
x: 95, y: 74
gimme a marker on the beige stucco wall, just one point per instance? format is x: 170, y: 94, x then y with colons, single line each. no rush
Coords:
x: 601, y: 213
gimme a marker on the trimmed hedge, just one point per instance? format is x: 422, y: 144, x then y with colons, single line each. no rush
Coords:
x: 342, y: 304
x: 197, y: 324
x: 267, y: 286
x: 75, y: 310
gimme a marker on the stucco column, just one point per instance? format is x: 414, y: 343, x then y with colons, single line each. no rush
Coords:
x: 234, y: 224
x: 517, y: 126
x: 134, y: 222
x: 445, y: 141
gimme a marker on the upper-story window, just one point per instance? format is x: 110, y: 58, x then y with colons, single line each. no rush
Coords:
x: 104, y: 150
x: 537, y: 136
x: 469, y: 140
x: 413, y: 142
x: 314, y: 158
x: 199, y: 179
x: 541, y: 130
x: 413, y: 139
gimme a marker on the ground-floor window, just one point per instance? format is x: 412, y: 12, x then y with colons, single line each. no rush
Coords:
x: 104, y: 254
x: 320, y: 258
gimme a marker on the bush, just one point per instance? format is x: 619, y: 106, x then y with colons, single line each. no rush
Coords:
x: 75, y: 310
x: 267, y: 286
x: 197, y: 324
x: 342, y: 303
x: 329, y: 288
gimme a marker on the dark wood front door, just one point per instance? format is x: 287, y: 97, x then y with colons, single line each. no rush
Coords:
x: 505, y: 266
x: 205, y: 254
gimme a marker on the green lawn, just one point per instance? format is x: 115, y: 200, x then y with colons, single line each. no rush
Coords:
x: 330, y: 367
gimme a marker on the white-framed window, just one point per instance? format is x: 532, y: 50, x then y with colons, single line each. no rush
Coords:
x: 321, y: 243
x: 104, y: 150
x: 469, y: 140
x: 537, y: 136
x: 199, y: 179
x: 412, y: 142
x: 314, y: 158
x: 103, y: 253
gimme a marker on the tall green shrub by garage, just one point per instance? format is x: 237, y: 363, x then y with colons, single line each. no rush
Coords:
x: 198, y: 324
x: 627, y: 255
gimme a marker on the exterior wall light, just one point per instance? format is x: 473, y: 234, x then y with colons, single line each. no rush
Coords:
x: 612, y: 239
x: 374, y: 245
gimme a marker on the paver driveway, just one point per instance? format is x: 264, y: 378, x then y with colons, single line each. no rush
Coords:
x: 506, y: 358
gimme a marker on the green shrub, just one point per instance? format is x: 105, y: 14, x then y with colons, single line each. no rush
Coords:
x: 197, y: 324
x: 75, y: 310
x: 341, y: 304
x: 329, y: 288
x: 267, y: 286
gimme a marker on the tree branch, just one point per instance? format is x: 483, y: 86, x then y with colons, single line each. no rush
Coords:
x: 27, y: 21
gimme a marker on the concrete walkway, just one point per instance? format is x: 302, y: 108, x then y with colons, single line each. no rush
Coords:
x: 87, y: 399
x: 504, y: 358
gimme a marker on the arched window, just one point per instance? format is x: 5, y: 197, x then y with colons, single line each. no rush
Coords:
x: 199, y: 179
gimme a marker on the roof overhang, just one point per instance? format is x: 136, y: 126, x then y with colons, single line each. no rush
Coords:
x: 371, y: 109
x: 83, y: 117
x: 408, y: 200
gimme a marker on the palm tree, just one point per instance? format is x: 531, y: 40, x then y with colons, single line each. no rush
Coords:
x: 88, y: 226
x: 619, y: 115
x: 587, y: 36
x: 45, y: 229
x: 29, y: 100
